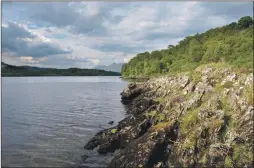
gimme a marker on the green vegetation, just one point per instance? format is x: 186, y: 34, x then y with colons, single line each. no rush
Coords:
x: 160, y: 125
x: 152, y: 114
x: 228, y: 162
x: 248, y: 93
x: 228, y: 120
x: 219, y: 88
x: 10, y: 70
x: 242, y: 155
x: 188, y: 120
x: 203, y: 159
x: 228, y: 84
x: 195, y: 77
x: 161, y: 117
x: 215, y: 124
x: 231, y: 44
x: 190, y: 140
x: 160, y: 99
x: 113, y: 130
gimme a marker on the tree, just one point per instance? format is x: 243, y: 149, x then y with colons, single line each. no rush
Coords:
x: 229, y: 43
x: 231, y: 25
x: 170, y: 46
x: 196, y: 53
x: 156, y: 54
x: 245, y: 22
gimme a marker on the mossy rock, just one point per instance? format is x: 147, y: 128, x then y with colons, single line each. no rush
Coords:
x: 160, y: 125
x: 114, y: 131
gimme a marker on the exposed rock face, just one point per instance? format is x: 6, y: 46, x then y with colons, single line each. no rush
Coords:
x: 204, y: 120
x: 130, y: 92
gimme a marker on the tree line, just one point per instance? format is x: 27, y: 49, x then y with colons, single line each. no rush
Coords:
x: 11, y: 70
x: 232, y: 44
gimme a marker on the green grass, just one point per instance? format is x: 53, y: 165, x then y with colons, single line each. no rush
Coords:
x: 242, y: 154
x: 160, y: 125
x: 203, y: 159
x: 228, y: 162
x: 216, y: 123
x: 228, y: 84
x: 161, y: 117
x: 195, y: 76
x: 155, y: 114
x: 190, y: 138
x: 188, y: 120
x: 219, y: 88
x: 229, y: 122
x: 248, y: 94
x: 160, y: 99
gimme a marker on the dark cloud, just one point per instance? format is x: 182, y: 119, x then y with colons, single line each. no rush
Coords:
x: 62, y: 14
x: 56, y: 13
x: 14, y: 40
x: 15, y: 31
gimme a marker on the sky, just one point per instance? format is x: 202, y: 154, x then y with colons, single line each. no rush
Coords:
x: 88, y: 34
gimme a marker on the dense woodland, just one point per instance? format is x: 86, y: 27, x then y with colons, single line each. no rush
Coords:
x: 10, y: 70
x: 231, y: 44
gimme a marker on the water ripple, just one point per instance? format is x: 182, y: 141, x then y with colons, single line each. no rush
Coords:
x: 46, y: 121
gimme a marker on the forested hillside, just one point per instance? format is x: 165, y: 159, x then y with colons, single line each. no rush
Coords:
x: 231, y: 44
x: 11, y: 70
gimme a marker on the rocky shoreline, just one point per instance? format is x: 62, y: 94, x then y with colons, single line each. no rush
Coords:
x: 198, y: 119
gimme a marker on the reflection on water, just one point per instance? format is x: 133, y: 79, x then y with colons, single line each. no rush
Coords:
x: 47, y: 120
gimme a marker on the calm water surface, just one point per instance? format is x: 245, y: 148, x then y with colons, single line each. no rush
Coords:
x: 47, y: 120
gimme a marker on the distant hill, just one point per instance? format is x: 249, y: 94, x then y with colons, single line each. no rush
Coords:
x: 115, y: 67
x: 11, y: 70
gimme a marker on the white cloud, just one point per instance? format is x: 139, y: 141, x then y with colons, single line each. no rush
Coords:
x: 102, y: 33
x: 91, y: 9
x: 95, y: 61
x: 29, y: 59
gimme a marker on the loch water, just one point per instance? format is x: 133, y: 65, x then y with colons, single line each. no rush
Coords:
x: 47, y: 120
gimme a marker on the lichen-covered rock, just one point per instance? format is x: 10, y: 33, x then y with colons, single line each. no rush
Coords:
x: 144, y: 152
x: 130, y: 92
x: 185, y: 120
